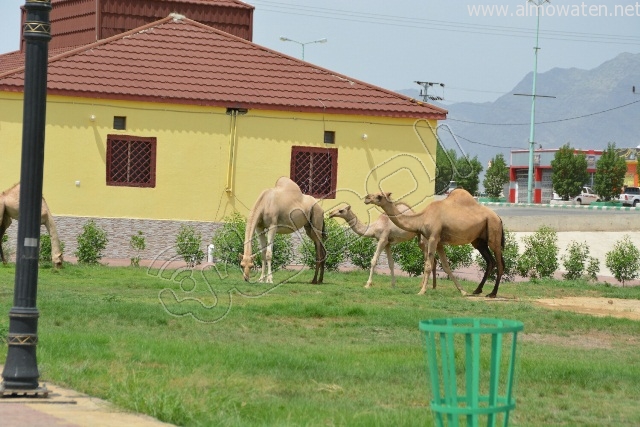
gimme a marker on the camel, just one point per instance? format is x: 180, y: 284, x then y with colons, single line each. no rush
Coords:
x: 283, y: 209
x: 385, y: 232
x: 456, y: 220
x: 10, y: 209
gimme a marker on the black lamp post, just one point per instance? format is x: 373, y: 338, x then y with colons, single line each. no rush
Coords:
x: 21, y: 369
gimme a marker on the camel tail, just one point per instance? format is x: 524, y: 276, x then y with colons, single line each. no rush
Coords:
x: 502, y: 243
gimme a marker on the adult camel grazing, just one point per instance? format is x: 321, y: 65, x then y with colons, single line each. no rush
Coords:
x: 10, y: 209
x: 456, y: 220
x: 283, y: 209
x: 385, y: 232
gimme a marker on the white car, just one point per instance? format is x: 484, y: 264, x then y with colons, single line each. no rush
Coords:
x: 586, y: 197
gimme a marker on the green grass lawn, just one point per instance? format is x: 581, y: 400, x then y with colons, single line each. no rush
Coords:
x: 206, y: 349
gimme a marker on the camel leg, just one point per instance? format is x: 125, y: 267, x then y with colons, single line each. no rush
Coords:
x: 382, y: 243
x: 263, y: 243
x: 268, y: 253
x: 390, y: 260
x: 445, y: 266
x: 482, y: 247
x: 4, y: 224
x: 315, y: 231
x: 429, y: 263
x: 56, y: 248
x: 500, y: 263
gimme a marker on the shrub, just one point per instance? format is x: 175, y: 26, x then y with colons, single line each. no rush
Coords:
x: 7, y: 250
x: 45, y: 249
x: 510, y: 254
x: 138, y: 244
x: 188, y: 243
x: 91, y: 242
x: 540, y: 257
x: 336, y: 245
x: 593, y: 268
x: 228, y: 242
x: 577, y: 262
x: 409, y: 257
x: 459, y: 256
x: 623, y: 260
x: 360, y: 250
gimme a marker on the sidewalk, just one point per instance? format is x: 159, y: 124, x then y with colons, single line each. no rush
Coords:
x: 67, y: 408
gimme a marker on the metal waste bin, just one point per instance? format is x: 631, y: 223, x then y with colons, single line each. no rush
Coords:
x: 470, y: 367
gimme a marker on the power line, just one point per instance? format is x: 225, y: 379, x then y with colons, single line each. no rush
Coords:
x: 393, y: 20
x: 545, y: 122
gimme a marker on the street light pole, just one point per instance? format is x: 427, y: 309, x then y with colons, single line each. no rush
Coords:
x: 21, y: 369
x: 286, y: 39
x: 538, y: 3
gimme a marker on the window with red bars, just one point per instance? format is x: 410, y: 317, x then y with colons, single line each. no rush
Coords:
x: 315, y: 170
x: 131, y: 161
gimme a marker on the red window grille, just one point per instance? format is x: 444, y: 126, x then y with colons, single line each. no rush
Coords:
x: 131, y: 161
x: 315, y: 170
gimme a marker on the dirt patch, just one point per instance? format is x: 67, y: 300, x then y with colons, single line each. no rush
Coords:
x: 614, y: 307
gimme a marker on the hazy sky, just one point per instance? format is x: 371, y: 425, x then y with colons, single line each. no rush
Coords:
x: 394, y: 43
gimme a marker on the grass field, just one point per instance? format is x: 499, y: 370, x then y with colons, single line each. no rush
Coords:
x: 205, y: 349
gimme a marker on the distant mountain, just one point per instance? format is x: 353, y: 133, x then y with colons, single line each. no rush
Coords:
x: 483, y: 129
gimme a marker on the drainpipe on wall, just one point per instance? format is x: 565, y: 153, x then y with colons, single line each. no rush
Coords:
x: 233, y: 139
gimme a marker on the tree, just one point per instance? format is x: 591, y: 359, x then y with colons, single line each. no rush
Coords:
x: 445, y: 168
x: 610, y: 172
x: 467, y: 174
x: 496, y: 177
x: 569, y: 172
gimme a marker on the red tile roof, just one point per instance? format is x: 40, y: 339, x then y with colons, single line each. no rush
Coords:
x: 177, y: 60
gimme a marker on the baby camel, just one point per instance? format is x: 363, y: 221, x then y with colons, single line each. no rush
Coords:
x: 10, y: 210
x: 385, y: 232
x: 283, y: 209
x: 456, y: 220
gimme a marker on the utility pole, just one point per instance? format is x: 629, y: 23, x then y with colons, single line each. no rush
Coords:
x: 533, y: 96
x: 424, y: 93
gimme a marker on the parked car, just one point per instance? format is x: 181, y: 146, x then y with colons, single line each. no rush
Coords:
x: 586, y: 197
x: 630, y: 196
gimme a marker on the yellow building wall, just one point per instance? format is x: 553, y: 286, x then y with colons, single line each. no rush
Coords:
x: 193, y: 147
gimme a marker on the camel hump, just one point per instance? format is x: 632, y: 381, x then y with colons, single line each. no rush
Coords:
x: 286, y: 184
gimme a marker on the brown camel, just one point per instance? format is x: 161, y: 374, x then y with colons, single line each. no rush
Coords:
x: 10, y: 209
x: 456, y: 220
x: 385, y: 232
x: 283, y: 210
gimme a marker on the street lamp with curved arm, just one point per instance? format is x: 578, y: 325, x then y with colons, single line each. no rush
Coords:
x: 286, y: 39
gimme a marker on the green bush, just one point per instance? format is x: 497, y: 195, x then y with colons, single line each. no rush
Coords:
x: 138, y: 244
x: 540, y: 257
x: 336, y: 245
x: 624, y: 260
x: 578, y: 263
x: 360, y: 250
x: 91, y: 242
x: 409, y: 257
x: 510, y: 254
x: 188, y: 243
x: 228, y: 242
x: 45, y: 249
x: 7, y: 250
x: 459, y: 256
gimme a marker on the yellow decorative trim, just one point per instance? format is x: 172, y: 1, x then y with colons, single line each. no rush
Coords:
x: 37, y: 27
x: 26, y: 339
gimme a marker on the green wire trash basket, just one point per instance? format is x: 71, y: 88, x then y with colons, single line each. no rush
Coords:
x: 470, y: 366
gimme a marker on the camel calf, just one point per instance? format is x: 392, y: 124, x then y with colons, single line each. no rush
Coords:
x: 10, y: 210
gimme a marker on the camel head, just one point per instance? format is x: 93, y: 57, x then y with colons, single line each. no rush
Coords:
x: 342, y: 212
x: 246, y: 263
x: 377, y: 199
